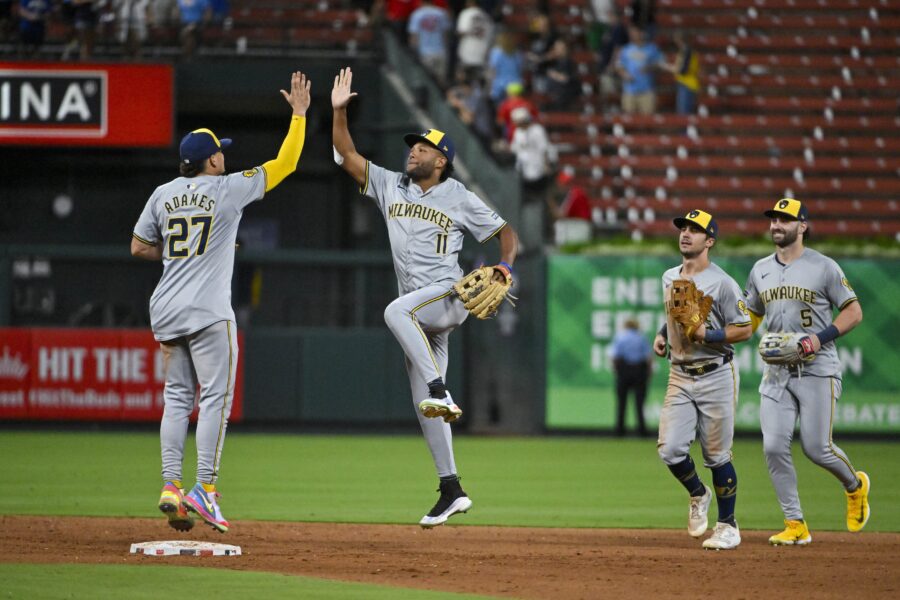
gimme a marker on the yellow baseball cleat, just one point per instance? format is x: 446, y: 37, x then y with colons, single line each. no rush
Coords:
x: 795, y: 533
x: 858, y: 504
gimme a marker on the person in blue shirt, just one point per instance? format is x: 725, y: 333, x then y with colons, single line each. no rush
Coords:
x: 32, y: 25
x: 631, y: 356
x: 637, y: 65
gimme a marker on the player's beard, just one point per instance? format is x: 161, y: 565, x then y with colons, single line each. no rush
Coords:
x: 421, y: 171
x: 788, y: 237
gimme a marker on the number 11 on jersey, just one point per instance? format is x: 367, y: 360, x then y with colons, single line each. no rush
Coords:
x: 441, y: 246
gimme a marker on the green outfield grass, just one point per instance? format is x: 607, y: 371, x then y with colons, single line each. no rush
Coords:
x: 111, y: 582
x: 546, y: 482
x: 540, y: 482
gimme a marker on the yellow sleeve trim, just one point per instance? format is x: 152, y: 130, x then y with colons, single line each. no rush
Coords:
x: 286, y: 162
x: 755, y: 320
x: 365, y: 188
x: 496, y: 231
x: 748, y: 323
x: 848, y: 302
x: 142, y: 240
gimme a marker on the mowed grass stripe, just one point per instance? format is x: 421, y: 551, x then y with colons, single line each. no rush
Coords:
x: 112, y: 582
x: 540, y: 482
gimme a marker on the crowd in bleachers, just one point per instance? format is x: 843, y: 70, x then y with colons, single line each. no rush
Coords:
x: 123, y: 27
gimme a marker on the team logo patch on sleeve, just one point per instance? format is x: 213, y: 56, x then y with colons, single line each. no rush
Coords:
x: 846, y: 283
x: 742, y: 307
x: 250, y: 173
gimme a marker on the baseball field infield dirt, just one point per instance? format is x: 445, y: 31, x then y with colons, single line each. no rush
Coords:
x: 506, y: 562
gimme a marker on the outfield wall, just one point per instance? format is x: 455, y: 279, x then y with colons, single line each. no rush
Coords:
x: 589, y: 298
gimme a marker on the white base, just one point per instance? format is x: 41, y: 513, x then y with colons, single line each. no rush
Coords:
x: 185, y: 548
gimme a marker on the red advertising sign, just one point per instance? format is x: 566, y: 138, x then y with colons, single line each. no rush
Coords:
x: 62, y: 104
x: 87, y: 375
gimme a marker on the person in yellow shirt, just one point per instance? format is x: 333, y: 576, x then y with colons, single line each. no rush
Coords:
x: 686, y: 69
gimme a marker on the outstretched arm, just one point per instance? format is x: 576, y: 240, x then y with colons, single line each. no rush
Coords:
x: 289, y: 154
x: 351, y: 161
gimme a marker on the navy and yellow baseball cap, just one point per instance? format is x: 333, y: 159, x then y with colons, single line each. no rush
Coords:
x: 790, y: 208
x: 433, y: 137
x: 200, y: 144
x: 701, y: 219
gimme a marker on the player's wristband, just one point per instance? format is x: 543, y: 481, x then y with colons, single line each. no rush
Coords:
x: 829, y: 334
x: 714, y: 336
x: 508, y: 266
x: 664, y: 331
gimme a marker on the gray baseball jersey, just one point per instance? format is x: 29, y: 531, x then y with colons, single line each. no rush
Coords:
x: 196, y: 219
x: 728, y: 309
x: 704, y: 404
x: 426, y: 229
x: 801, y: 297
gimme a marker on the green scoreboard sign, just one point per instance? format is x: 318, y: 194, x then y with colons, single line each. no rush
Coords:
x: 589, y: 299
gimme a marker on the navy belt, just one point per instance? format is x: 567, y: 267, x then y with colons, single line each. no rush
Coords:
x: 707, y: 367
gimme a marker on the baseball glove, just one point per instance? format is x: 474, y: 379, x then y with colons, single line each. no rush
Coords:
x: 786, y: 348
x: 688, y: 306
x: 481, y: 294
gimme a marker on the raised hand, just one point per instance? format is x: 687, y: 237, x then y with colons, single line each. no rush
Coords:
x: 299, y: 97
x: 340, y: 93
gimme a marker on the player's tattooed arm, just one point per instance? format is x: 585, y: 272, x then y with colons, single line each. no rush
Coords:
x: 351, y: 161
x: 146, y: 251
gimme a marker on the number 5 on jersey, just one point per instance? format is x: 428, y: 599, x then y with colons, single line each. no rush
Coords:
x: 179, y: 233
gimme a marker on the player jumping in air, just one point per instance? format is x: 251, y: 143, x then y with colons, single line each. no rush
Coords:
x: 426, y: 213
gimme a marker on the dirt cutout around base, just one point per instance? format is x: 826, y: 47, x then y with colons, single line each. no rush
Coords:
x: 509, y: 562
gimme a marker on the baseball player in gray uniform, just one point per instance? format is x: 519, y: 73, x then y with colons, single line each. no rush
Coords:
x: 703, y: 382
x: 426, y: 214
x: 191, y: 225
x: 796, y: 289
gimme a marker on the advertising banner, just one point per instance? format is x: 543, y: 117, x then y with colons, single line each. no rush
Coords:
x: 63, y: 104
x: 86, y: 375
x: 589, y: 299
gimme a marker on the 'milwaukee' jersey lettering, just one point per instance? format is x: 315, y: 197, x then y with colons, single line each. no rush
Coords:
x: 426, y: 229
x: 417, y: 211
x: 196, y: 220
x: 801, y: 296
x: 788, y: 292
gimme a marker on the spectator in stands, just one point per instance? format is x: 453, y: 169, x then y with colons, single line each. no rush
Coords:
x: 598, y: 18
x: 163, y: 19
x: 475, y: 29
x: 32, y: 25
x: 543, y: 36
x: 470, y: 99
x: 574, y: 203
x: 686, y: 69
x: 505, y: 64
x: 561, y: 82
x: 643, y: 16
x: 131, y: 20
x: 396, y: 13
x: 535, y: 161
x: 427, y: 29
x: 615, y: 36
x: 81, y: 16
x: 513, y: 101
x: 637, y: 64
x: 193, y: 15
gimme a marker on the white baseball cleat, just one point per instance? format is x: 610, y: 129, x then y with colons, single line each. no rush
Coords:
x: 724, y: 537
x: 453, y: 499
x: 698, y: 512
x: 444, y: 408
